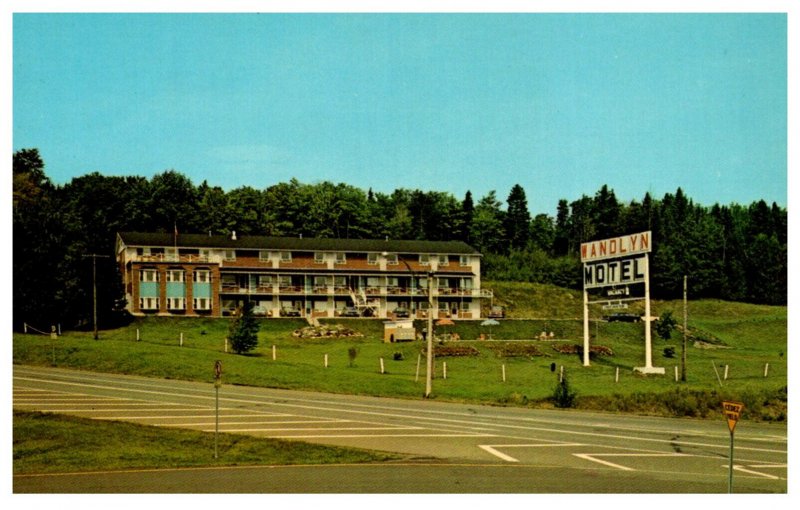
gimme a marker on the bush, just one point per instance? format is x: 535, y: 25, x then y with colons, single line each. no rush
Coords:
x: 398, y: 356
x: 669, y: 351
x: 563, y: 396
x: 243, y: 333
x: 352, y: 353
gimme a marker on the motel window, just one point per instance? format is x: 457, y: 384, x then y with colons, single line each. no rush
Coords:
x: 148, y: 275
x: 391, y: 259
x: 463, y: 260
x: 341, y: 258
x: 372, y: 258
x: 148, y: 303
x: 425, y: 259
x: 263, y: 256
x: 286, y: 256
x: 202, y: 276
x: 319, y: 257
x: 230, y: 254
x: 201, y: 303
x: 175, y: 275
x: 205, y: 253
x: 171, y: 254
x: 265, y: 280
x: 176, y: 303
x: 444, y: 260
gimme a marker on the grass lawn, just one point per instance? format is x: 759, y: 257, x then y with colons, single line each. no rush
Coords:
x: 39, y: 441
x: 743, y: 337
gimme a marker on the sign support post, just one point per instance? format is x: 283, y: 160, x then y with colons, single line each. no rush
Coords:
x: 732, y: 412
x: 648, y: 340
x: 585, y: 328
x: 217, y: 384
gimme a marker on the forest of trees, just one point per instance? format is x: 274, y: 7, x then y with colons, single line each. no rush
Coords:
x: 732, y: 252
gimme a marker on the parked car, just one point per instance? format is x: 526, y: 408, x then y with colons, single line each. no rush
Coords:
x: 623, y: 317
x: 350, y: 311
x: 259, y: 311
x: 497, y: 312
x: 288, y: 311
x: 400, y: 313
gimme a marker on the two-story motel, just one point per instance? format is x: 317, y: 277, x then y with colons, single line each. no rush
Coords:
x: 214, y: 275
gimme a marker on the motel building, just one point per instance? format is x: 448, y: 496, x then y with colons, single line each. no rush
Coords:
x: 214, y: 275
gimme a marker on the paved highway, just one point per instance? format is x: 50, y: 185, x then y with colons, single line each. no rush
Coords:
x: 450, y: 447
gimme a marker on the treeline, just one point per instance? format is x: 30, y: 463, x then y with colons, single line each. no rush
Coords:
x: 731, y: 252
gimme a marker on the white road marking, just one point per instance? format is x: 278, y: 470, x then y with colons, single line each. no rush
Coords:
x: 743, y: 469
x: 361, y: 436
x: 494, y: 452
x: 221, y: 416
x: 493, y: 448
x: 591, y: 457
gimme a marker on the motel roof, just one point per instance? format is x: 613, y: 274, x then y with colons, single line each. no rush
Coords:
x: 247, y: 242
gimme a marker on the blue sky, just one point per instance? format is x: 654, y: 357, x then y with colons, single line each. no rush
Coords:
x: 558, y: 103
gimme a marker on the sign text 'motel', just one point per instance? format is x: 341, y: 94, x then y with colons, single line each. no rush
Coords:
x: 614, y: 272
x: 616, y: 247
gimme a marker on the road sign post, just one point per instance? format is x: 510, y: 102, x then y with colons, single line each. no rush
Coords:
x: 217, y: 384
x: 733, y: 411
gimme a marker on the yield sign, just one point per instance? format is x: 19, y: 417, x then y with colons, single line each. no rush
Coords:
x: 732, y: 412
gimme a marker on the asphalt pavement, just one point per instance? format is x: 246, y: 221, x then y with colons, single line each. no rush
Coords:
x: 451, y: 448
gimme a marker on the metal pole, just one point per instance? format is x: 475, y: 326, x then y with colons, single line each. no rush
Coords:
x: 648, y: 344
x: 585, y: 327
x: 216, y: 426
x: 730, y: 468
x: 94, y: 295
x: 429, y: 360
x: 94, y: 257
x: 685, y: 331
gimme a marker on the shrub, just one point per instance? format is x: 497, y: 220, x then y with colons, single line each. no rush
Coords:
x: 441, y: 351
x: 669, y: 351
x: 594, y: 350
x: 563, y: 396
x: 243, y: 333
x: 398, y: 356
x: 508, y: 350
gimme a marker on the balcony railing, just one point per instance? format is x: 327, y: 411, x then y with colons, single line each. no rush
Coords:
x: 234, y: 288
x: 162, y: 257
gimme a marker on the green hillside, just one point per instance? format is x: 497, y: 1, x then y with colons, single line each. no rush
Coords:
x: 750, y: 340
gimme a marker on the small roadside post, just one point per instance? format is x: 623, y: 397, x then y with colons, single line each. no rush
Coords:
x: 217, y: 384
x: 732, y: 412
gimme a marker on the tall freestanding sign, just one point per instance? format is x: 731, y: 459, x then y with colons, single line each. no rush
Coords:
x: 615, y: 268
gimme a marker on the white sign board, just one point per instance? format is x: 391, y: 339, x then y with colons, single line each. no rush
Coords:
x: 614, y: 272
x: 616, y: 247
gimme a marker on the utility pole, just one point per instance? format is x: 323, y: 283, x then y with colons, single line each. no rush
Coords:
x: 685, y: 331
x: 429, y: 360
x: 94, y: 258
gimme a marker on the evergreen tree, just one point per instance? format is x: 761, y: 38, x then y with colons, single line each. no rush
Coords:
x: 561, y: 235
x: 467, y: 213
x: 243, y: 333
x: 517, y: 218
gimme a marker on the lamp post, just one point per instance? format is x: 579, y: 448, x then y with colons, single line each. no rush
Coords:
x: 429, y: 337
x: 429, y: 334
